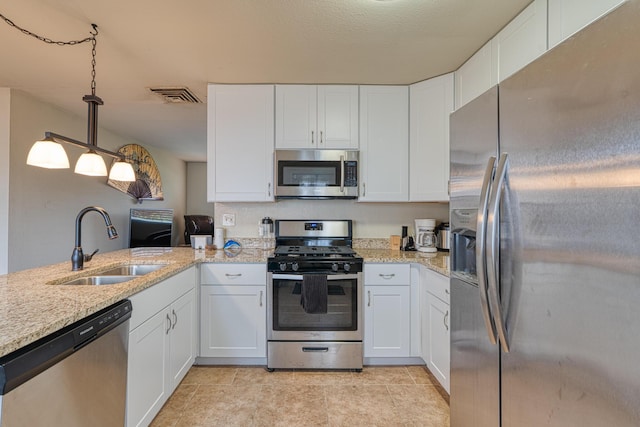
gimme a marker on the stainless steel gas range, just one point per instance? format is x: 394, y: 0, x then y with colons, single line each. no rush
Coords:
x: 314, y: 297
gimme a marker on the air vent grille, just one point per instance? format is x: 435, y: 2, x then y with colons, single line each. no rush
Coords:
x: 176, y: 95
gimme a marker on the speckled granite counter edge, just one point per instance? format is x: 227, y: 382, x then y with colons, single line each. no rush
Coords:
x: 33, y: 304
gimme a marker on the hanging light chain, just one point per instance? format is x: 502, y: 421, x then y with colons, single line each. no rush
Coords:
x: 91, y: 39
x: 94, y: 41
x: 48, y: 40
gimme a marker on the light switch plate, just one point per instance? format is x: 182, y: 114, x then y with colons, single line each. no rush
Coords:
x: 228, y: 220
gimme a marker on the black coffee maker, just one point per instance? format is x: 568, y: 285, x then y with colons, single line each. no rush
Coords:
x: 197, y: 225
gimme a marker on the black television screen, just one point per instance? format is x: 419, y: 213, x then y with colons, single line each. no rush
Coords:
x: 150, y: 227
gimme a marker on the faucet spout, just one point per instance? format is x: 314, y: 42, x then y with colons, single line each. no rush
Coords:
x: 77, y: 257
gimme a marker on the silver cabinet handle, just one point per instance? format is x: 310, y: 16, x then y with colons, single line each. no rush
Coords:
x: 175, y: 319
x: 269, y: 190
x: 481, y: 237
x: 493, y: 243
x: 169, y: 325
x: 233, y: 276
x: 446, y: 291
x: 444, y: 320
x: 369, y: 299
x: 312, y: 141
x: 387, y: 276
x: 341, y: 172
x: 320, y: 137
x: 364, y: 189
x: 261, y: 298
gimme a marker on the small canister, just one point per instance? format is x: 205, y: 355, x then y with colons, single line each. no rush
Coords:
x: 218, y: 237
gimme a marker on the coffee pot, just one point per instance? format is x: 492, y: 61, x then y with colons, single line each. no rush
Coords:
x: 425, y: 235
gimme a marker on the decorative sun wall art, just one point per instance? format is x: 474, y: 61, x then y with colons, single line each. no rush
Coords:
x: 148, y: 185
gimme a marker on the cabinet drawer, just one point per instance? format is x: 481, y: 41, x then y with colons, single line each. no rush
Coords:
x: 233, y: 274
x: 437, y: 284
x: 387, y: 274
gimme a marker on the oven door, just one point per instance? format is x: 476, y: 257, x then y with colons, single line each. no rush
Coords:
x: 288, y: 321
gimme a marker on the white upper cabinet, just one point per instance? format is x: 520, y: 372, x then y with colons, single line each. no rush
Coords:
x: 475, y: 76
x: 521, y: 41
x: 240, y: 143
x: 384, y: 144
x: 317, y: 117
x: 431, y: 102
x: 566, y: 17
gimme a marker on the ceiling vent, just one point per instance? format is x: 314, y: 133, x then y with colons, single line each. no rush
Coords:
x: 176, y: 95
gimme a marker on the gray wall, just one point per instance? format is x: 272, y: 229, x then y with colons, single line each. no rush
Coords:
x: 43, y: 203
x: 197, y: 190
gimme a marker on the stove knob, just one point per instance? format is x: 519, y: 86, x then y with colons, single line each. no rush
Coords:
x: 346, y: 266
x: 334, y: 266
x: 283, y: 266
x: 294, y: 266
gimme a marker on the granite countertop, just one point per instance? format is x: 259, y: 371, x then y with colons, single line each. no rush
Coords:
x: 33, y: 304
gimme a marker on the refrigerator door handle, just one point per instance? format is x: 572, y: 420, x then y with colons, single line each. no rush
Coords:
x: 481, y: 258
x: 493, y: 243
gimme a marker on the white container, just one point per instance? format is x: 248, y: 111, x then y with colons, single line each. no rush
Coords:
x: 218, y: 238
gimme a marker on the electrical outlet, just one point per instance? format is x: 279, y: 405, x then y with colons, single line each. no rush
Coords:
x: 229, y: 220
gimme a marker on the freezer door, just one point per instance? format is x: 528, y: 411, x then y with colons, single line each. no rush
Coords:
x: 475, y: 362
x: 473, y: 140
x: 570, y: 275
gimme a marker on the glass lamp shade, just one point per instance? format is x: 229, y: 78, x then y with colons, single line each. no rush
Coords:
x: 48, y: 154
x: 91, y: 164
x: 122, y: 171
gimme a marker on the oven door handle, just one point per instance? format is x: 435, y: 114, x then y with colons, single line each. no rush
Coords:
x: 300, y: 276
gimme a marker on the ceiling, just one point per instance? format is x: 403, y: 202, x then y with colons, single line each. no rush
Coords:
x: 165, y: 43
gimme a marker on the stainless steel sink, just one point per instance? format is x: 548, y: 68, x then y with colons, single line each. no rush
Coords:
x: 99, y: 280
x: 132, y: 270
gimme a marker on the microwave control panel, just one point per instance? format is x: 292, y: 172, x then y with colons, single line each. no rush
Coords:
x: 350, y: 173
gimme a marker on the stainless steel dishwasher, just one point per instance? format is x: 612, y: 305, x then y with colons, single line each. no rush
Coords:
x: 74, y: 377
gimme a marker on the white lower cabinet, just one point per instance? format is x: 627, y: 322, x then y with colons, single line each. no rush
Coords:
x: 435, y: 321
x: 387, y: 312
x: 162, y: 344
x: 233, y: 310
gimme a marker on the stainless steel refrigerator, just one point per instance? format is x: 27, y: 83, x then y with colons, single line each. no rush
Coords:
x: 545, y: 226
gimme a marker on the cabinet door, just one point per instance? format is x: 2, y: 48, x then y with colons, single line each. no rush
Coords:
x: 439, y: 347
x: 475, y: 76
x: 147, y: 369
x: 233, y: 321
x: 425, y: 334
x: 386, y: 321
x: 430, y: 106
x: 384, y: 144
x: 521, y: 41
x: 296, y: 116
x: 182, y: 337
x: 337, y: 117
x: 567, y: 17
x: 240, y: 143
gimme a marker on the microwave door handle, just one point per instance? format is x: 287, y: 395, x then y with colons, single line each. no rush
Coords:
x: 481, y: 270
x: 342, y: 174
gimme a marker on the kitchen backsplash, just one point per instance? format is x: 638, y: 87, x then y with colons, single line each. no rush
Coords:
x: 370, y: 220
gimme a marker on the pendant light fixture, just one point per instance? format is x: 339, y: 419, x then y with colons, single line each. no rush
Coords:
x: 48, y: 153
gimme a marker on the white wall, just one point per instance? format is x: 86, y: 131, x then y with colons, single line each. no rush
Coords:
x: 197, y: 190
x: 370, y: 220
x: 5, y: 102
x: 43, y: 203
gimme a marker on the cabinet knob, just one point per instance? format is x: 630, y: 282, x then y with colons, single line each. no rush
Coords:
x: 312, y: 139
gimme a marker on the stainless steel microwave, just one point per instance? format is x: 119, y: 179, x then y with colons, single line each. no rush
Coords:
x: 316, y: 174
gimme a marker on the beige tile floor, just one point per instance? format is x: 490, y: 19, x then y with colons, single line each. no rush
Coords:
x: 251, y: 396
